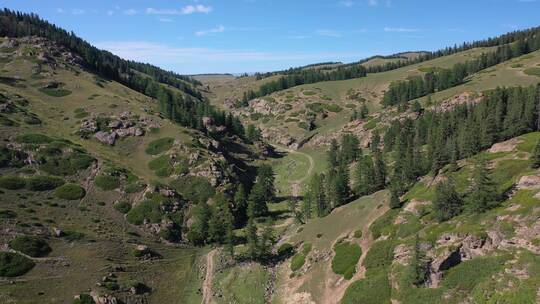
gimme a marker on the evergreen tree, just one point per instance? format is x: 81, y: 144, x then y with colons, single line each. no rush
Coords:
x: 448, y: 202
x: 198, y: 232
x: 394, y: 199
x: 267, y: 241
x: 240, y: 205
x: 419, y: 264
x: 535, y: 155
x: 333, y: 154
x: 251, y: 232
x: 218, y: 225
x: 483, y: 195
x: 364, y: 111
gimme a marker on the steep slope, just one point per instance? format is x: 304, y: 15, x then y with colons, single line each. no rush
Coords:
x: 91, y: 168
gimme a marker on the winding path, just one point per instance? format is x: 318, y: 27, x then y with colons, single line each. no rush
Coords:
x: 209, y: 278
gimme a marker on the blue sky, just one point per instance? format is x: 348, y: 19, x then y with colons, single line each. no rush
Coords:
x: 204, y: 36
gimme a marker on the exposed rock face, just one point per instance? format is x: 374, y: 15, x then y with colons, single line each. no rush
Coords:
x: 468, y: 98
x: 106, y: 137
x: 529, y: 182
x: 414, y: 206
x: 505, y: 146
x: 103, y: 299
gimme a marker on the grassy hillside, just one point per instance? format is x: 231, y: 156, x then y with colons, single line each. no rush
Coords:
x: 45, y: 99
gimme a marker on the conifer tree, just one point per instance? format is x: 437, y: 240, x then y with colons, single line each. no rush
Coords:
x: 483, y: 195
x: 394, y: 199
x: 535, y: 155
x: 251, y: 232
x: 448, y: 202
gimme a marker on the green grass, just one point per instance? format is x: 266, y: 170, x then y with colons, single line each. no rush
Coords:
x: 242, y: 284
x: 345, y: 259
x: 33, y: 138
x: 159, y: 145
x: 29, y: 245
x: 107, y: 182
x: 532, y: 71
x: 70, y: 192
x: 194, y: 188
x: 122, y: 207
x: 55, y: 92
x: 299, y: 259
x: 148, y: 209
x: 12, y: 182
x: 383, y: 225
x: 371, y: 290
x: 14, y: 265
x: 380, y: 255
x: 43, y: 183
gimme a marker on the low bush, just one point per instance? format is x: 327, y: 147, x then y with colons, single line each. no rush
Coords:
x: 194, y: 188
x: 107, y: 182
x: 148, y: 209
x: 13, y: 264
x: 122, y: 207
x: 159, y: 145
x: 29, y: 245
x: 371, y: 290
x: 33, y: 138
x: 70, y: 192
x: 43, y: 183
x: 12, y: 182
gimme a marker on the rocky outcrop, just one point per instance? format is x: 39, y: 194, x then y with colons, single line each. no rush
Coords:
x: 529, y: 182
x: 106, y: 137
x: 505, y: 146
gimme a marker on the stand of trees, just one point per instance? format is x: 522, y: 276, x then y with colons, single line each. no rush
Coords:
x: 402, y: 91
x: 305, y: 77
x: 511, y: 37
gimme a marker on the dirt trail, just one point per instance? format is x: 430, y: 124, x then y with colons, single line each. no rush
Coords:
x: 209, y: 278
x: 296, y: 184
x: 334, y: 291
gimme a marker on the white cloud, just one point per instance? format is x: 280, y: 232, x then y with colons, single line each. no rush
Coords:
x: 77, y: 11
x: 167, y: 20
x: 110, y: 12
x: 186, y: 10
x: 373, y: 2
x: 130, y: 12
x: 60, y: 10
x: 199, y: 8
x: 161, y: 54
x: 400, y: 29
x: 219, y: 29
x: 347, y: 3
x: 328, y: 33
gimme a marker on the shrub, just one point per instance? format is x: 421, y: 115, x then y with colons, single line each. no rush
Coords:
x: 285, y: 250
x: 159, y: 145
x: 345, y: 259
x: 84, y: 299
x: 43, y: 183
x: 299, y: 259
x: 122, y: 207
x: 33, y: 138
x: 107, y: 182
x: 29, y: 245
x: 532, y: 71
x: 71, y: 235
x: 380, y: 255
x: 194, y: 188
x: 55, y: 92
x: 134, y: 187
x: 70, y: 192
x: 159, y: 162
x: 358, y: 234
x: 333, y: 108
x: 13, y: 264
x: 7, y: 214
x: 12, y: 182
x: 148, y: 209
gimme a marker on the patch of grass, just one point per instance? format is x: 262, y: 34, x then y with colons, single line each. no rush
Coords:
x: 345, y: 259
x: 383, y: 225
x: 43, y: 183
x: 194, y: 188
x: 107, y: 182
x: 84, y: 299
x: 12, y: 182
x: 7, y: 214
x: 14, y: 265
x: 371, y: 124
x: 55, y: 92
x: 299, y: 259
x: 380, y: 255
x: 70, y: 192
x: 309, y: 93
x: 148, y: 209
x: 33, y: 138
x: 534, y: 71
x: 134, y: 187
x: 333, y: 108
x: 122, y: 207
x: 159, y: 145
x: 468, y: 274
x: 371, y: 290
x: 29, y: 245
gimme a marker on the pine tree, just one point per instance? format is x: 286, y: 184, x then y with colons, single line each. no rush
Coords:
x: 483, y: 195
x: 198, y: 232
x: 251, y: 232
x: 448, y: 202
x: 394, y: 199
x: 535, y: 155
x: 418, y: 262
x: 217, y: 225
x: 364, y: 111
x: 240, y: 205
x: 266, y: 241
x: 333, y: 154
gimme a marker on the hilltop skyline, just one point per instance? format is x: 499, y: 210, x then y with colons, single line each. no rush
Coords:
x: 193, y: 37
